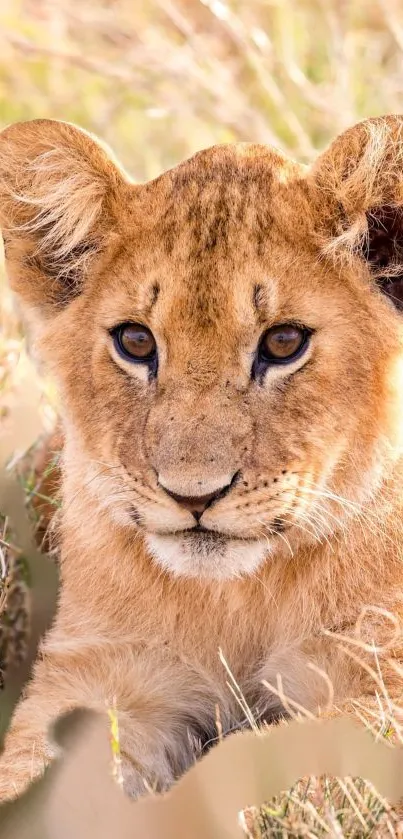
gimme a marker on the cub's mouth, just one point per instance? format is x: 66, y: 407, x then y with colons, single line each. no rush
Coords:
x: 207, y: 554
x: 210, y: 540
x: 207, y: 538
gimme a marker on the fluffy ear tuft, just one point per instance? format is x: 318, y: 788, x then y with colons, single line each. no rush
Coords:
x: 59, y: 190
x: 360, y: 178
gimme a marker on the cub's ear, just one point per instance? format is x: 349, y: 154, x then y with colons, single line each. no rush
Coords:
x: 59, y: 197
x: 360, y: 178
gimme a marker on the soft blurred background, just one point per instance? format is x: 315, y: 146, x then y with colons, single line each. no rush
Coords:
x: 158, y: 79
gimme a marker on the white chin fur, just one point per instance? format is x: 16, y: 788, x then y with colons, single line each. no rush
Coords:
x: 233, y: 558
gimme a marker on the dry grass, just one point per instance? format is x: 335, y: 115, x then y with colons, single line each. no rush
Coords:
x: 347, y: 808
x: 159, y: 80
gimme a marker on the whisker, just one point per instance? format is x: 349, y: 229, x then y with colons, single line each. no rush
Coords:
x: 285, y: 540
x: 364, y: 516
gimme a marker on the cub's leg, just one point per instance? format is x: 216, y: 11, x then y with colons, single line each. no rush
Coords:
x: 161, y: 707
x: 328, y: 677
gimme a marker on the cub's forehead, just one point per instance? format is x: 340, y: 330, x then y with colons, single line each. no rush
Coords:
x: 241, y: 163
x: 215, y: 234
x: 201, y: 207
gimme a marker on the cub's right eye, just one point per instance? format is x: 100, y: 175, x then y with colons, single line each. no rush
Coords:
x: 135, y: 343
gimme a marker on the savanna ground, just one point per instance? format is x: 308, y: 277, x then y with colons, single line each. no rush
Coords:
x: 158, y: 80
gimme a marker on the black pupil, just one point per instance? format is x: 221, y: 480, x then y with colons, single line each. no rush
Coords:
x: 283, y: 338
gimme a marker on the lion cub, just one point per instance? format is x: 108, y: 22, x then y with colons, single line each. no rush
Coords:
x: 227, y: 342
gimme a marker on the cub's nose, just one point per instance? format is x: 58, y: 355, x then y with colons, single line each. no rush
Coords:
x: 197, y: 504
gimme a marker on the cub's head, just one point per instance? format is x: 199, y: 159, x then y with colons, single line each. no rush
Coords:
x: 226, y: 338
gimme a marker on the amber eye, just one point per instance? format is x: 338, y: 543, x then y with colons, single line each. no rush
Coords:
x: 282, y: 344
x: 135, y: 342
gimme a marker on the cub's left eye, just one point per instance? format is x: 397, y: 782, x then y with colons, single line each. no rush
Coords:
x: 135, y: 342
x: 283, y: 344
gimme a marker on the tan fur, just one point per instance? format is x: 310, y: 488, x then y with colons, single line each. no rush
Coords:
x: 209, y: 256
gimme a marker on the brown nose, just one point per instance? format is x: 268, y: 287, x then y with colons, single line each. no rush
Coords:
x: 199, y: 503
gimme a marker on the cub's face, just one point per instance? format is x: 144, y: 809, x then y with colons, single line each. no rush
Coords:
x: 231, y: 390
